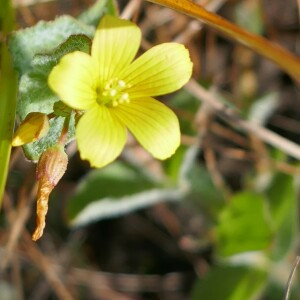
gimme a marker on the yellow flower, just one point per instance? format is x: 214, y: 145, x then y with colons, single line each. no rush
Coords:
x: 116, y: 92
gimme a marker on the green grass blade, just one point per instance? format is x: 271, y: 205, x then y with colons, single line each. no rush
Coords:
x: 8, y: 93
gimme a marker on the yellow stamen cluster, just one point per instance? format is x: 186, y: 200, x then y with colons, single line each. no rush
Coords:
x: 112, y: 93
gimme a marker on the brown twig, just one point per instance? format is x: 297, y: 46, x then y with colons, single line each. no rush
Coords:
x: 232, y: 117
x: 17, y: 278
x: 46, y: 267
x: 129, y: 282
x: 17, y: 221
x: 298, y: 3
x: 216, y: 176
x: 130, y: 9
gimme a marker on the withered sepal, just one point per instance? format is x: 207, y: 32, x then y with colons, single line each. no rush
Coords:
x: 50, y: 168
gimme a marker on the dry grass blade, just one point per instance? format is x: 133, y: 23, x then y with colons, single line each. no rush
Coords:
x: 286, y: 60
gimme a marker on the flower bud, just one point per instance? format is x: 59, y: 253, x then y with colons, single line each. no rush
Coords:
x: 32, y: 128
x: 50, y: 168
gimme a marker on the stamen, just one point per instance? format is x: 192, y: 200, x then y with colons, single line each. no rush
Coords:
x: 112, y: 92
x: 124, y: 98
x: 121, y: 83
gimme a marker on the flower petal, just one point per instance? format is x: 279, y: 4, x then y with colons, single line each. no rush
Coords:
x: 100, y: 136
x: 153, y: 124
x: 115, y: 44
x: 74, y: 80
x: 162, y: 69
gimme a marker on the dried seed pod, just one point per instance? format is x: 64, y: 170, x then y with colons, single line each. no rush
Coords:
x: 33, y: 127
x: 51, y: 167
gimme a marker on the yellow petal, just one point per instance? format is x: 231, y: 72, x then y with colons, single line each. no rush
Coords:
x: 32, y: 128
x: 115, y: 44
x: 162, y: 69
x: 75, y: 80
x: 153, y: 124
x: 100, y: 136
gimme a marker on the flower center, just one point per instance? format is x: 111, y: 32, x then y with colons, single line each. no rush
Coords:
x: 112, y: 93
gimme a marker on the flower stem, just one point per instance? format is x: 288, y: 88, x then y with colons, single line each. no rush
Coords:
x: 64, y: 132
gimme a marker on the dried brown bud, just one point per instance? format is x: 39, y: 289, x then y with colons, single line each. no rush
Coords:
x: 51, y: 167
x: 33, y: 127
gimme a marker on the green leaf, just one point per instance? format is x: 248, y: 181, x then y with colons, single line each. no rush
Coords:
x: 185, y: 105
x: 173, y: 164
x: 93, y: 15
x: 34, y: 93
x: 36, y: 96
x: 276, y: 290
x: 196, y: 181
x: 230, y: 283
x: 44, y: 37
x: 282, y: 195
x: 243, y: 225
x: 282, y: 198
x: 114, y: 190
x: 248, y: 14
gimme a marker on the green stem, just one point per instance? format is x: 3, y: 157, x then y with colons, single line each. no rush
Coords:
x: 8, y: 93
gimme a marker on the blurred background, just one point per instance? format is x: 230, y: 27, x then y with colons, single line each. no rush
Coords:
x: 217, y: 221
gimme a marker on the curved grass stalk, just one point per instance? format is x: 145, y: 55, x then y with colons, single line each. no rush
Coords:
x: 8, y: 92
x: 282, y: 57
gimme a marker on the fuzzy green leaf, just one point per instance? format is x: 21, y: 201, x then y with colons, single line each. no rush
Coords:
x: 36, y: 96
x: 44, y: 37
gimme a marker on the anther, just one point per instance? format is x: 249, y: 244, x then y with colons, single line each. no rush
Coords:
x: 124, y: 98
x: 121, y: 83
x: 112, y: 92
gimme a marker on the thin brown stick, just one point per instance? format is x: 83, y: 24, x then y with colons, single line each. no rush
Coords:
x: 216, y: 175
x: 130, y: 8
x: 46, y: 267
x: 232, y: 117
x: 16, y: 153
x: 17, y: 223
x: 17, y: 277
x: 298, y: 2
